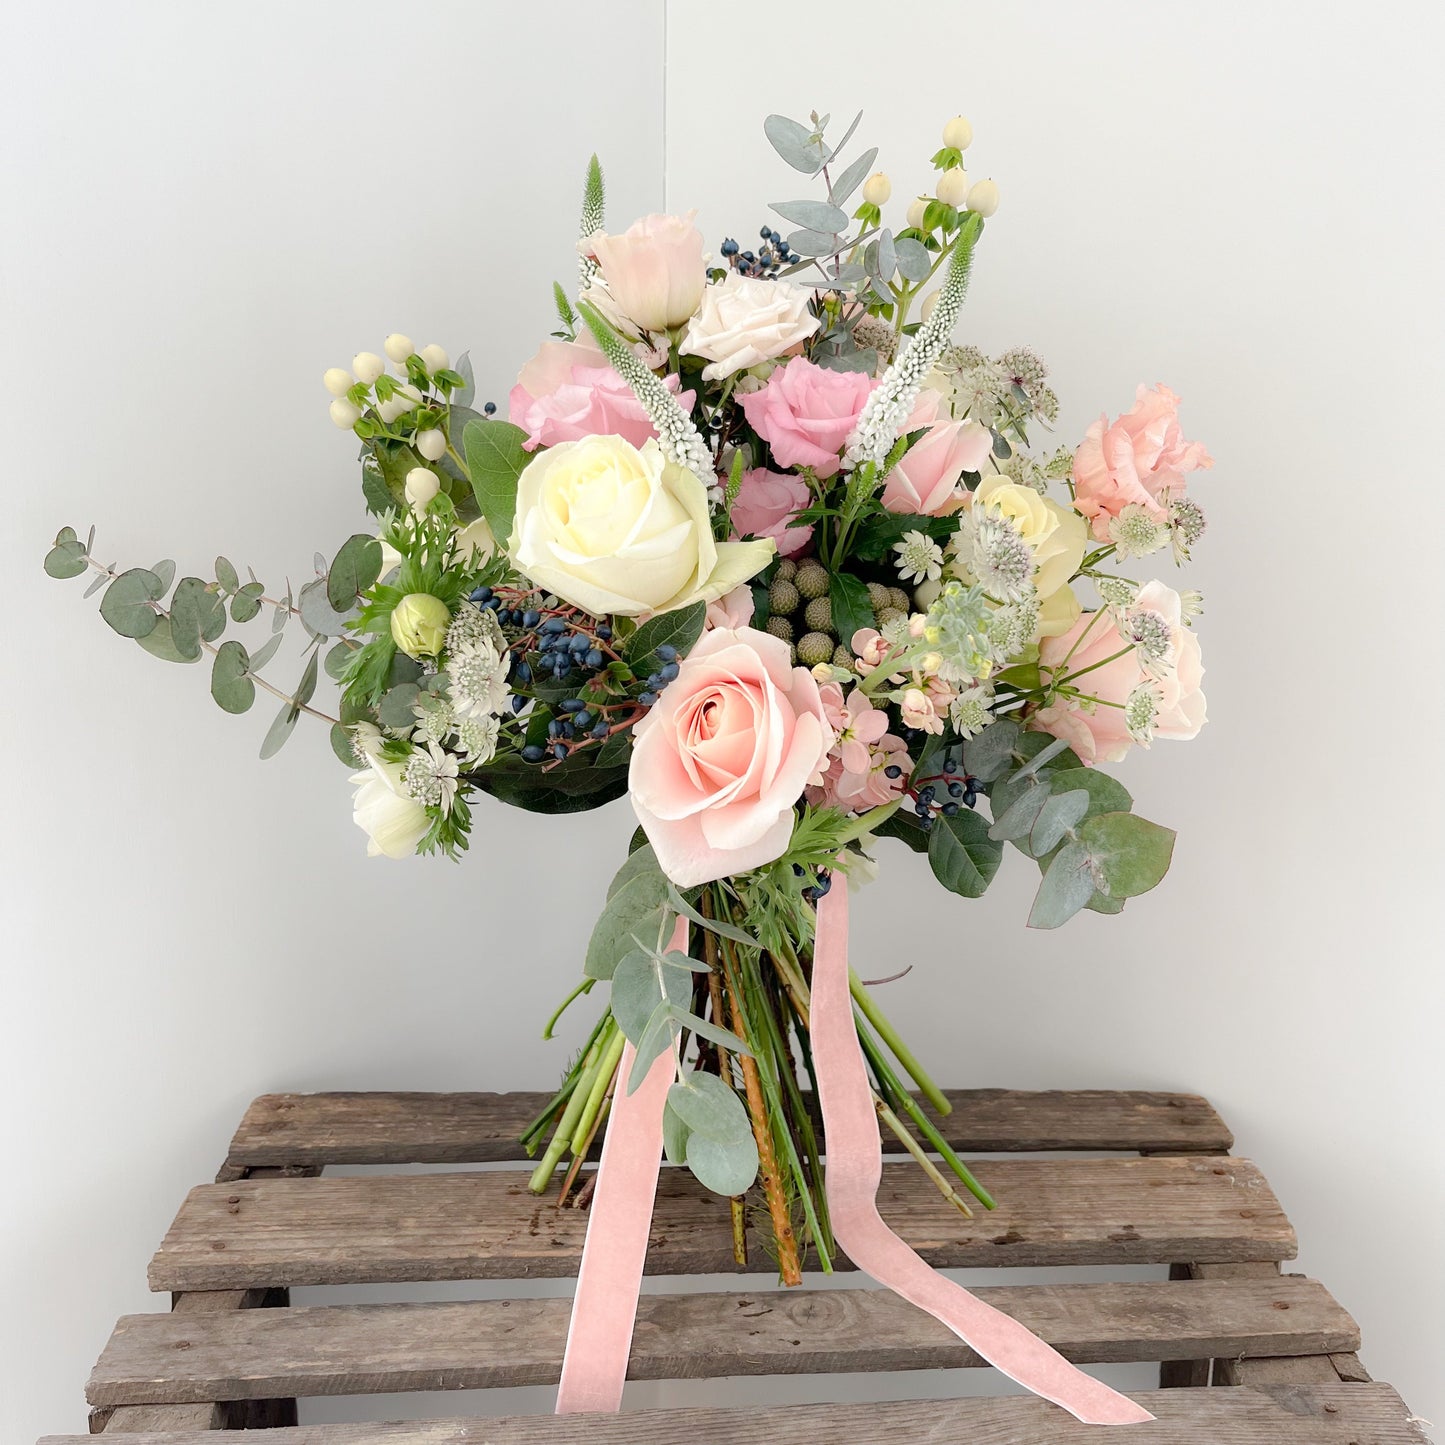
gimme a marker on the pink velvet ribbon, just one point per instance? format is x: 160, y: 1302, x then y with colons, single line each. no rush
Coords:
x: 604, y: 1309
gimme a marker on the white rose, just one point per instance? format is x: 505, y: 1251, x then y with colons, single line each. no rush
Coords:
x: 614, y: 529
x: 743, y: 320
x: 393, y: 821
x: 475, y: 543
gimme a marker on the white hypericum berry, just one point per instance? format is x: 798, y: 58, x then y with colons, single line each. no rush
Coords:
x: 338, y: 381
x: 952, y: 187
x: 916, y: 207
x: 877, y: 188
x: 368, y: 366
x: 432, y: 444
x: 402, y: 400
x: 436, y: 359
x: 958, y: 133
x: 983, y: 198
x: 422, y: 484
x: 397, y: 347
x: 345, y: 413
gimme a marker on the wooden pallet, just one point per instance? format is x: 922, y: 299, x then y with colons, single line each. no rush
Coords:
x: 1162, y: 1189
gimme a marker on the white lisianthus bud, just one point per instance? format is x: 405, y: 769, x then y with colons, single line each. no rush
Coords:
x: 368, y: 366
x: 345, y: 413
x: 436, y: 359
x: 983, y: 198
x: 422, y: 484
x: 916, y: 207
x: 958, y: 133
x: 397, y: 347
x: 419, y: 624
x: 877, y: 188
x: 951, y: 189
x: 432, y: 444
x: 338, y: 381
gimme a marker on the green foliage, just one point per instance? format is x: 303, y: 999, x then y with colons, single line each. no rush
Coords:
x: 636, y: 905
x: 989, y: 754
x: 128, y: 603
x: 878, y: 532
x: 1068, y: 884
x: 279, y: 731
x: 198, y: 613
x: 718, y: 1140
x: 160, y: 643
x: 68, y: 557
x: 963, y: 856
x: 1130, y: 854
x: 495, y: 459
x: 679, y: 628
x: 852, y: 609
x: 354, y: 571
x: 231, y: 685
x: 318, y: 616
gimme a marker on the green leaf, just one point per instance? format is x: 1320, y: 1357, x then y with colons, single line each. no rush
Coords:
x: 656, y: 1040
x: 306, y: 688
x: 336, y: 660
x: 709, y: 1107
x: 196, y: 612
x: 231, y: 687
x: 795, y: 144
x: 67, y: 557
x: 341, y: 745
x: 877, y: 535
x: 674, y: 1137
x: 279, y: 731
x: 317, y: 612
x: 989, y: 754
x: 1066, y: 887
x: 852, y: 610
x: 725, y: 1168
x: 159, y: 643
x: 246, y: 604
x: 906, y: 829
x: 356, y: 568
x: 914, y: 262
x: 266, y: 652
x: 126, y: 605
x: 962, y: 855
x: 679, y: 628
x: 226, y: 575
x: 395, y: 708
x: 704, y: 1029
x: 1018, y: 818
x: 637, y: 841
x: 1130, y: 854
x: 818, y: 216
x: 852, y: 178
x: 495, y: 459
x: 1056, y: 817
x: 374, y: 490
x: 1106, y: 793
x: 713, y: 925
x: 635, y: 905
x: 165, y: 573
x: 637, y: 990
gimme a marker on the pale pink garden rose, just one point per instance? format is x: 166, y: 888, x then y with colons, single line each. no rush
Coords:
x: 725, y: 753
x: 744, y: 321
x: 733, y: 610
x: 1099, y: 733
x: 654, y: 270
x: 568, y: 391
x: 1135, y: 459
x: 925, y: 481
x: 806, y: 412
x: 766, y: 503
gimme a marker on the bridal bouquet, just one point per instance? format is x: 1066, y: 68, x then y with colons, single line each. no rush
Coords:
x: 759, y: 545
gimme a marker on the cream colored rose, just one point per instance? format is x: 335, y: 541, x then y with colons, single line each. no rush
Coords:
x: 614, y: 529
x: 743, y: 321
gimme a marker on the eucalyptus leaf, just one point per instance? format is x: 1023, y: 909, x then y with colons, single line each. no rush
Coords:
x: 853, y: 177
x: 709, y: 1107
x: 355, y: 570
x: 1056, y: 817
x: 197, y: 613
x: 159, y: 643
x: 341, y: 745
x: 636, y: 905
x: 306, y: 688
x: 467, y: 393
x: 396, y: 708
x: 1130, y: 854
x: 165, y: 573
x: 813, y: 243
x: 887, y: 257
x: 818, y: 216
x: 126, y: 605
x: 639, y: 985
x: 100, y: 580
x: 336, y: 660
x: 962, y: 854
x: 1066, y: 887
x: 231, y: 686
x: 989, y: 754
x: 725, y: 1168
x: 795, y: 143
x: 319, y: 616
x: 226, y: 575
x: 656, y: 1040
x: 713, y: 925
x: 246, y: 604
x: 674, y: 1137
x: 914, y: 262
x: 1106, y: 793
x: 279, y: 731
x: 1017, y: 820
x: 705, y: 1029
x: 266, y: 652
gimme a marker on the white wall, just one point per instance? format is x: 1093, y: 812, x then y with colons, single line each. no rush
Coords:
x: 202, y: 212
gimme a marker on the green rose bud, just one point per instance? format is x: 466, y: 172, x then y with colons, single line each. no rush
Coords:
x: 419, y: 624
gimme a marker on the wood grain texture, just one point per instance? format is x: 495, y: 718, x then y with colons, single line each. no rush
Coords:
x: 480, y: 1344
x: 393, y: 1128
x: 487, y: 1226
x: 1336, y: 1414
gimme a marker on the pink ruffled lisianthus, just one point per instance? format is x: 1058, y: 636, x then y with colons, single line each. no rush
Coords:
x: 806, y: 412
x: 568, y: 392
x: 1136, y: 459
x: 722, y: 758
x: 765, y: 506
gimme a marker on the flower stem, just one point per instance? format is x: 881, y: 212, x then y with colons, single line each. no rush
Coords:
x: 900, y: 1050
x: 586, y: 1124
x: 575, y: 1104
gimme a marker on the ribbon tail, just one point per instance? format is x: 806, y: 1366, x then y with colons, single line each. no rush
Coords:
x: 604, y: 1307
x: 854, y: 1170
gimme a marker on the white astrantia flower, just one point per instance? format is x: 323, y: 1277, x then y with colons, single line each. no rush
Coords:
x: 430, y: 777
x: 478, y: 738
x: 1186, y: 525
x: 1153, y: 640
x: 920, y: 558
x: 1191, y: 605
x: 436, y: 718
x: 471, y: 626
x: 1135, y: 533
x: 969, y: 711
x: 996, y: 554
x: 1141, y: 709
x: 1014, y: 626
x: 1117, y: 593
x: 478, y: 678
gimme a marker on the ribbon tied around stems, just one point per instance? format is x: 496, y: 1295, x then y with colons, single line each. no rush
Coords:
x: 604, y: 1309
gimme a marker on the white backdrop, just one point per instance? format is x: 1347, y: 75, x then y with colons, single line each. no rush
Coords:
x: 202, y: 211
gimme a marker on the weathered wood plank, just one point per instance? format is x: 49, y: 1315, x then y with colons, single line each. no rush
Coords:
x: 394, y: 1128
x: 1336, y: 1414
x: 1304, y: 1370
x: 485, y: 1225
x: 480, y: 1344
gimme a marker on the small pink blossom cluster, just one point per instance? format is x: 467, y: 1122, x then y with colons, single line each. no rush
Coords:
x: 855, y: 777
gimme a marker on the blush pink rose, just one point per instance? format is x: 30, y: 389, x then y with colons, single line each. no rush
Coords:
x: 1098, y: 732
x: 766, y: 503
x: 568, y: 392
x: 806, y: 412
x: 735, y: 609
x: 1135, y: 460
x: 654, y: 270
x: 925, y: 480
x: 724, y: 755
